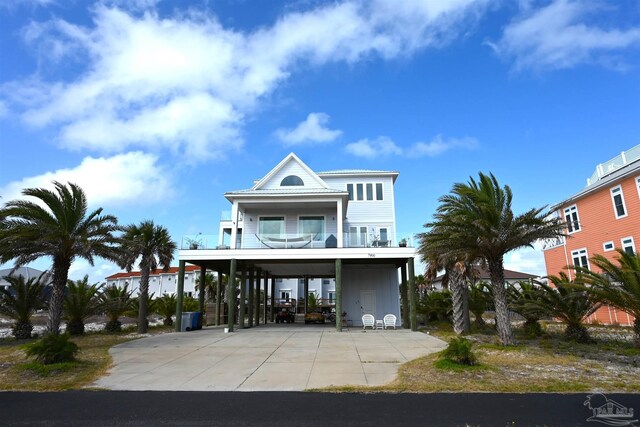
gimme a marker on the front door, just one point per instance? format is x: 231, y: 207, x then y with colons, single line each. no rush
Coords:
x: 368, y: 301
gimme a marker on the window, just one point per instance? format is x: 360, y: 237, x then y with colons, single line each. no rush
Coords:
x: 379, y: 190
x: 628, y: 246
x: 384, y: 237
x: 638, y: 184
x: 332, y: 297
x: 608, y: 246
x: 292, y: 180
x: 285, y: 294
x: 360, y: 191
x: 618, y: 202
x: 572, y: 219
x: 369, y: 191
x: 580, y: 258
x: 326, y: 281
x: 357, y: 236
x: 313, y: 225
x: 350, y: 191
x: 271, y: 226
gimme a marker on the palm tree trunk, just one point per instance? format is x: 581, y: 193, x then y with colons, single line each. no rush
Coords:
x: 144, y: 294
x: 455, y: 284
x: 636, y: 330
x: 465, y: 308
x: 503, y: 322
x: 60, y: 275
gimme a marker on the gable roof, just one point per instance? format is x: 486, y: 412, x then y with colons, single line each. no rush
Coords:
x: 291, y: 158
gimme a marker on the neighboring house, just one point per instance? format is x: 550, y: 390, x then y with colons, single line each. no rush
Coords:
x: 160, y: 282
x: 26, y: 272
x: 604, y: 216
x: 335, y: 231
x: 481, y: 274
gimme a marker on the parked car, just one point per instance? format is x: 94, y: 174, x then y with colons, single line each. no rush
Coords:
x: 285, y: 316
x: 314, y: 316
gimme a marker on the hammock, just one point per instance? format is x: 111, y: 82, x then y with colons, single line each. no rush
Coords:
x: 288, y: 242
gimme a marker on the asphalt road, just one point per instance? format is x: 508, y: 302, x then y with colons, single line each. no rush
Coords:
x: 111, y: 408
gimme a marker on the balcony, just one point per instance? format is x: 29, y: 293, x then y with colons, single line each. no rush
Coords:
x: 296, y: 241
x: 552, y: 243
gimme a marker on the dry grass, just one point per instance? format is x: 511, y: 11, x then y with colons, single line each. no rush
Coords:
x: 546, y: 364
x: 19, y: 373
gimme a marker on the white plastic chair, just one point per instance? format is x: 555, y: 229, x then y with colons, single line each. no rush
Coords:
x: 389, y: 321
x: 368, y: 320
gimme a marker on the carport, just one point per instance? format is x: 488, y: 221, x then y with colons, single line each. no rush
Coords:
x: 259, y: 269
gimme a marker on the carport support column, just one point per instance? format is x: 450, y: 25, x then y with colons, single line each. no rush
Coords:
x: 266, y: 296
x: 257, y: 297
x: 306, y: 294
x: 273, y: 299
x: 203, y: 288
x: 406, y: 323
x: 339, y: 295
x: 243, y: 291
x: 179, y: 292
x: 218, y: 297
x: 231, y: 295
x: 250, y: 297
x: 412, y: 296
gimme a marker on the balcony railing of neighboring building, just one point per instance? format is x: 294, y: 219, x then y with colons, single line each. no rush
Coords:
x: 226, y: 216
x: 553, y: 243
x: 624, y: 158
x: 298, y: 241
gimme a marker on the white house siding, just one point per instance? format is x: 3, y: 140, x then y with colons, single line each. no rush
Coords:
x: 291, y: 221
x: 383, y: 279
x: 158, y: 285
x: 292, y: 168
x: 360, y: 213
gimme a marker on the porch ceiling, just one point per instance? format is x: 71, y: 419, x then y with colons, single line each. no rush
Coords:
x: 294, y: 268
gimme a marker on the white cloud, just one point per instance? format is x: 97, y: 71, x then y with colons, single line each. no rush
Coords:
x: 122, y: 179
x: 381, y: 146
x: 384, y: 146
x: 526, y: 260
x: 559, y: 36
x: 186, y: 83
x: 438, y: 145
x: 313, y: 129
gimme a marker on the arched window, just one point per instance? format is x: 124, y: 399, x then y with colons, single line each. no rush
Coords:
x: 291, y: 180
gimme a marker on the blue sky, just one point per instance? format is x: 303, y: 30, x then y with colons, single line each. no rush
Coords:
x: 158, y: 107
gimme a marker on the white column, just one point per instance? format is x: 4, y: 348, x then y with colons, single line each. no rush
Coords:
x: 339, y: 219
x: 234, y: 225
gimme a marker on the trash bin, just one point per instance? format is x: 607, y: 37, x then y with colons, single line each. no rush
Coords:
x: 195, y: 321
x: 187, y: 321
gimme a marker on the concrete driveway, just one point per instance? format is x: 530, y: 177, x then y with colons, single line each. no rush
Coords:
x: 266, y: 358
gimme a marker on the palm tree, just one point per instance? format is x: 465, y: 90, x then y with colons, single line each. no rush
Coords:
x: 479, y: 296
x: 115, y: 302
x: 29, y: 297
x: 209, y: 286
x: 166, y: 307
x: 81, y: 301
x: 58, y: 227
x: 568, y: 302
x: 134, y: 311
x: 153, y: 245
x: 520, y: 297
x: 617, y: 285
x: 476, y: 222
x: 455, y: 280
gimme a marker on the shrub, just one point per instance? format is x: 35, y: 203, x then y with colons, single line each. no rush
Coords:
x: 460, y: 351
x: 81, y: 301
x: 20, y: 301
x: 166, y: 307
x: 53, y: 348
x: 115, y: 302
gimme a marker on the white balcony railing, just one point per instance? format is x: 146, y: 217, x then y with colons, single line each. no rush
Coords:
x: 297, y: 241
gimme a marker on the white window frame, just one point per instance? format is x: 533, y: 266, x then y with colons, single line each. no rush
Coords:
x: 320, y: 237
x: 604, y: 246
x: 569, y: 210
x: 638, y: 184
x: 373, y: 186
x: 579, y: 253
x: 618, y: 191
x: 284, y: 223
x: 629, y: 243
